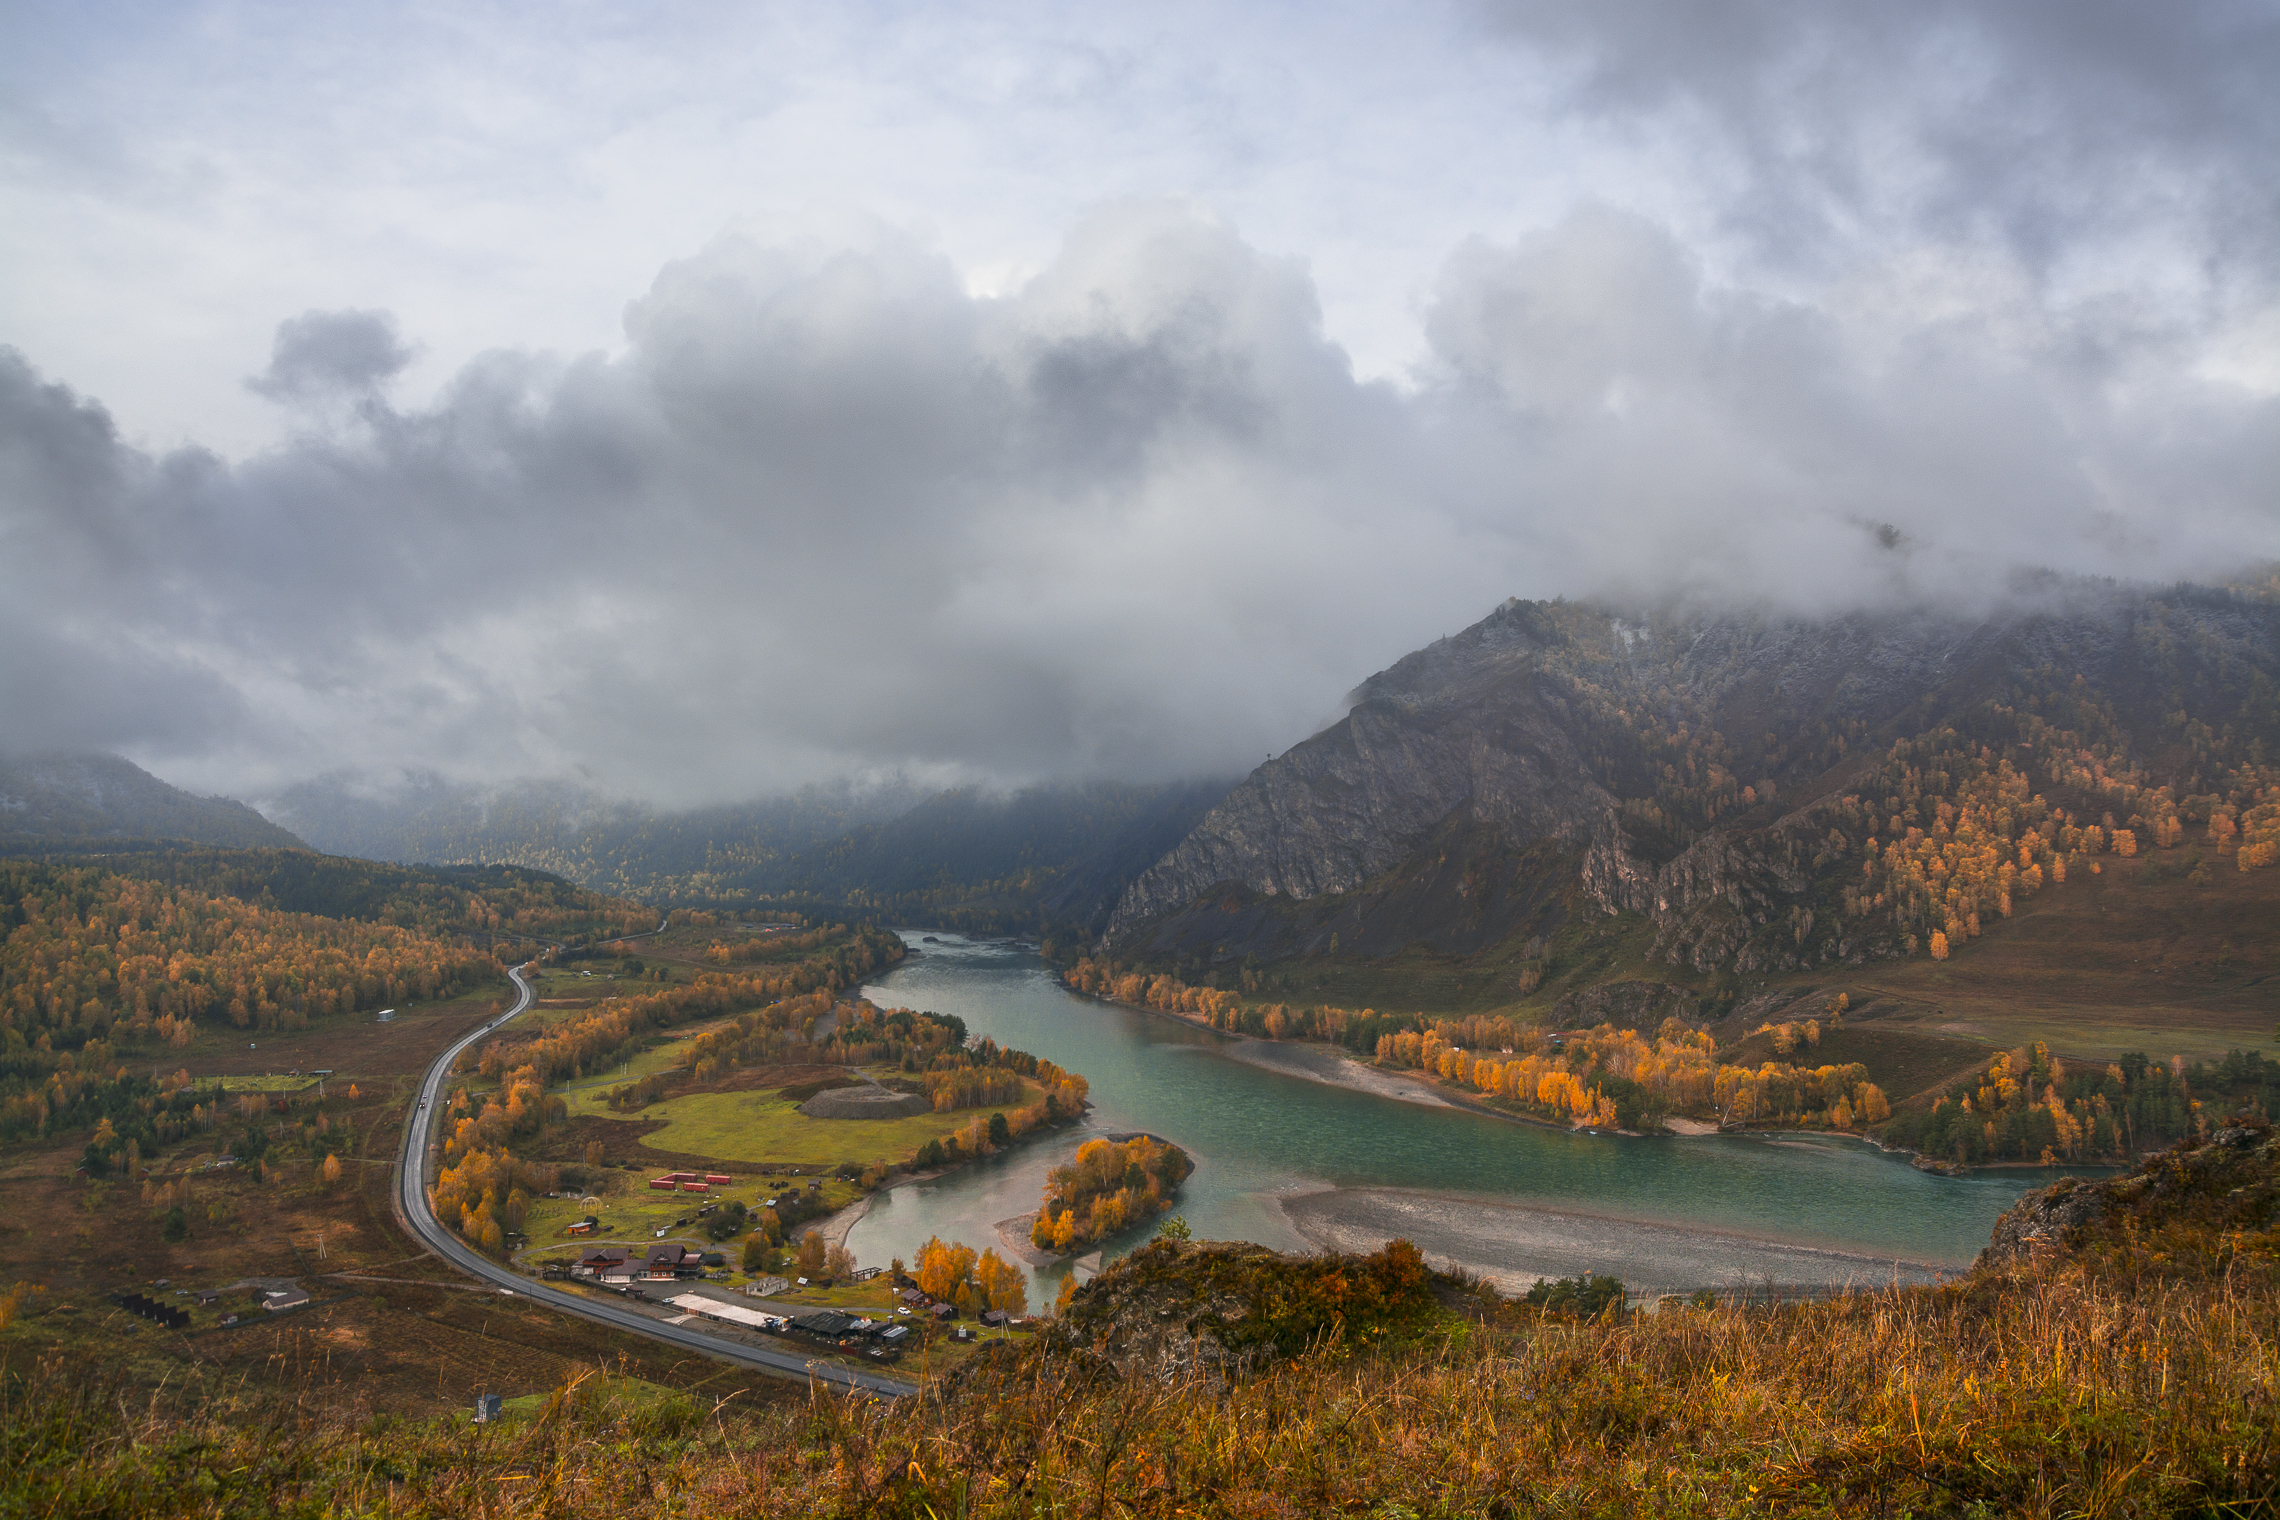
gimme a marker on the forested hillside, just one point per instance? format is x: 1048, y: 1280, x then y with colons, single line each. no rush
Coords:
x: 1765, y: 796
x: 968, y: 858
x: 150, y: 954
x: 699, y: 855
x: 495, y: 900
x: 63, y: 797
x: 93, y: 956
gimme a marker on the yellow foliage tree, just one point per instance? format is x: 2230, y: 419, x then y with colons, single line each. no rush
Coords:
x: 943, y: 1268
x: 1003, y: 1285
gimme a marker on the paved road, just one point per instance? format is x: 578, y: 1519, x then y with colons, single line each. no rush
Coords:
x: 418, y: 1215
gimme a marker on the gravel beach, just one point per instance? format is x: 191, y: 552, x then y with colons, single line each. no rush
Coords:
x: 1513, y: 1245
x: 1321, y: 1063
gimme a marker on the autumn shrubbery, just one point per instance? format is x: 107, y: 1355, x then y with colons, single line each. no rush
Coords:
x: 1306, y: 1301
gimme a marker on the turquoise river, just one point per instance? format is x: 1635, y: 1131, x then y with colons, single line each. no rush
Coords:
x: 1298, y: 1163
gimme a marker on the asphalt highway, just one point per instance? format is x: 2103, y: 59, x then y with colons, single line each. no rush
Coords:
x: 414, y: 1167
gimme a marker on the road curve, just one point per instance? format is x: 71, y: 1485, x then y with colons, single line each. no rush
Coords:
x: 418, y: 1215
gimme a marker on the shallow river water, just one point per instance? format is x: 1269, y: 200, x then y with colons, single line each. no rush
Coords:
x: 1295, y: 1164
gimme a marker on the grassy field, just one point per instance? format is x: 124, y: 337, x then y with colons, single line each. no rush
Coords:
x: 2139, y: 957
x: 765, y: 1128
x: 269, y: 1082
x: 631, y: 1212
x: 352, y: 1045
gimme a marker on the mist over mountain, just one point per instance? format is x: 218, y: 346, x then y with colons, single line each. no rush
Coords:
x: 62, y: 798
x: 1037, y: 854
x: 609, y: 844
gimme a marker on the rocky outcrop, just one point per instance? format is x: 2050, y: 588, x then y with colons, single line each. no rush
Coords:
x: 1212, y: 1311
x: 1630, y: 1005
x: 1168, y: 1313
x: 2231, y: 1183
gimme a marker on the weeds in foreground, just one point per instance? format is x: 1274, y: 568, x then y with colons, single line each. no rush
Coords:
x: 2059, y: 1390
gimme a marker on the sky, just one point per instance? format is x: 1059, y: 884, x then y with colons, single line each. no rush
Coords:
x: 697, y: 402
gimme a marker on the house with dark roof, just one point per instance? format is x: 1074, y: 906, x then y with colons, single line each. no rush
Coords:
x: 671, y: 1259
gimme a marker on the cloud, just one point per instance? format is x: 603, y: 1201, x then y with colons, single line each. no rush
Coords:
x: 829, y: 513
x: 1922, y: 433
x: 324, y: 356
x: 2089, y: 139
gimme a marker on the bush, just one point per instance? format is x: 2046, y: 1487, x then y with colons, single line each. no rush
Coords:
x: 1590, y: 1295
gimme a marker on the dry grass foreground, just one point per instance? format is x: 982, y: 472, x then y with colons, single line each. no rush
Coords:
x: 2124, y: 1363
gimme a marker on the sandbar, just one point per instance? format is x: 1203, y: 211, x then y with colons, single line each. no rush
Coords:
x: 1513, y: 1245
x: 1320, y: 1063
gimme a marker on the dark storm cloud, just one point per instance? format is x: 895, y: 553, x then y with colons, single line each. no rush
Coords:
x: 829, y: 513
x: 2032, y: 120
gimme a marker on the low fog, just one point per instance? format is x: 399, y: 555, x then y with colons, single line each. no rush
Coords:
x: 827, y: 512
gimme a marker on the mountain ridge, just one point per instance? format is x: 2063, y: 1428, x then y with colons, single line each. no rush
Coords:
x: 1639, y: 757
x: 65, y: 796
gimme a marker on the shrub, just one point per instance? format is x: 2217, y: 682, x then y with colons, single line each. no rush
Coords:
x: 1589, y: 1295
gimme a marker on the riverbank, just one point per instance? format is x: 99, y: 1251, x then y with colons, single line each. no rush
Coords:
x: 1333, y: 1068
x: 1513, y: 1245
x: 1330, y: 1065
x: 1258, y: 1136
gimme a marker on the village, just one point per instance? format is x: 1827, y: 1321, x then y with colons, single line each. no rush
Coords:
x: 875, y: 1313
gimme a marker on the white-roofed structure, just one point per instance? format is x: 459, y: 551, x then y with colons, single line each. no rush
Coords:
x: 729, y: 1314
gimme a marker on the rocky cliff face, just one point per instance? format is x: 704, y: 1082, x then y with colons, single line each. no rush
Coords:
x: 1550, y: 729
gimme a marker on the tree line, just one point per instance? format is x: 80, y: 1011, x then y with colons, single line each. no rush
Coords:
x: 90, y: 955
